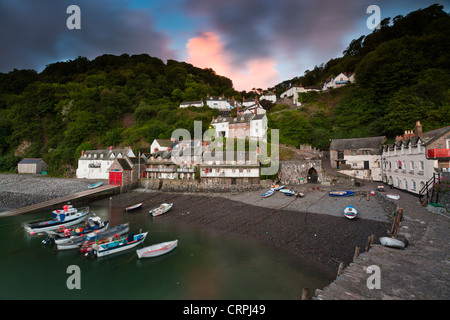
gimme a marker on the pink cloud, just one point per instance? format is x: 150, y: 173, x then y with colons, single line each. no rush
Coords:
x: 207, y: 51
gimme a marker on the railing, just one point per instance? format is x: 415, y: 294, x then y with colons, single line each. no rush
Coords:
x: 438, y: 153
x: 428, y: 189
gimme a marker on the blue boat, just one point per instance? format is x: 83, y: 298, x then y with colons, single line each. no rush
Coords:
x: 350, y: 212
x: 341, y: 193
x: 267, y: 193
x: 95, y: 185
x: 276, y: 187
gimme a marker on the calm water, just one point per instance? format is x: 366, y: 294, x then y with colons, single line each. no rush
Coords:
x: 205, y: 265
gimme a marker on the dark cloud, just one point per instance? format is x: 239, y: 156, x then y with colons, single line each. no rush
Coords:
x: 34, y: 33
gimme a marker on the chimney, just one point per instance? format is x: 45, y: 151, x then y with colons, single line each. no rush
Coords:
x: 110, y: 148
x: 418, y: 129
x: 398, y: 138
x: 82, y: 152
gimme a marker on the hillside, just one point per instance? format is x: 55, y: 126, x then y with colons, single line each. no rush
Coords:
x: 402, y: 75
x: 111, y: 100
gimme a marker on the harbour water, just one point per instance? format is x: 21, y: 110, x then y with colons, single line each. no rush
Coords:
x: 205, y: 265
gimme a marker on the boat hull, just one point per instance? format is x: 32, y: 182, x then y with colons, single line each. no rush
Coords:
x: 267, y: 193
x: 161, y: 209
x: 392, y: 243
x: 101, y: 252
x: 134, y: 207
x: 393, y: 196
x: 157, y: 249
x: 341, y: 193
x: 350, y: 212
x: 54, y: 224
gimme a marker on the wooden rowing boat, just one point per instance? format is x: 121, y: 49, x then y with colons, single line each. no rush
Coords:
x: 393, y: 196
x: 267, y: 193
x: 133, y: 207
x: 95, y: 185
x: 157, y: 249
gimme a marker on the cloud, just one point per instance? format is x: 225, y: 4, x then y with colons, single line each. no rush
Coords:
x: 207, y: 51
x: 34, y: 33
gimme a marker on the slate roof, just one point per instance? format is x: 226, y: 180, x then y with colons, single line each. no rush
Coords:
x: 357, y: 143
x: 31, y: 160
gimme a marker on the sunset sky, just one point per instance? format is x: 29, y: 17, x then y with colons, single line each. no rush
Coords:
x: 255, y: 43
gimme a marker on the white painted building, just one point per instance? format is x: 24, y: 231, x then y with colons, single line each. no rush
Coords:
x: 160, y: 145
x: 411, y: 161
x: 258, y: 127
x: 197, y: 104
x: 270, y: 96
x: 340, y: 80
x: 219, y: 103
x: 94, y: 164
x: 295, y: 90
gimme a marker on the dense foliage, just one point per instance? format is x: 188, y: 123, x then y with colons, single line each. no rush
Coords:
x: 402, y: 75
x: 111, y: 100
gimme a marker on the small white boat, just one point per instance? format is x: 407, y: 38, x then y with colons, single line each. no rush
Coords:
x: 163, y: 208
x: 118, y: 245
x: 133, y: 207
x: 276, y: 187
x: 350, y: 212
x: 392, y: 243
x: 393, y: 196
x: 157, y: 249
x: 95, y: 185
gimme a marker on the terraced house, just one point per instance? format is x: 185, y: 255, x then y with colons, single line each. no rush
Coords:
x: 416, y: 157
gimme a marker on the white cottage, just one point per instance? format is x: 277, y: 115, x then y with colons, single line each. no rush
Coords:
x: 95, y: 164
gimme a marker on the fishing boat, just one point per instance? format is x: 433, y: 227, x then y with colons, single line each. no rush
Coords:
x: 300, y: 195
x: 341, y: 193
x: 68, y: 216
x: 62, y: 235
x: 392, y: 243
x: 133, y: 207
x: 118, y: 245
x: 350, y: 212
x: 393, y: 196
x: 95, y: 185
x: 267, y: 193
x: 276, y: 187
x: 85, y: 245
x: 163, y: 208
x: 157, y: 249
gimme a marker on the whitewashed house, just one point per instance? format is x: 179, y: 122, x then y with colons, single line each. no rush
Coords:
x: 230, y: 168
x: 221, y: 125
x: 340, y: 80
x: 411, y: 161
x: 270, y: 96
x: 254, y: 109
x: 160, y: 145
x: 219, y: 103
x: 197, y: 104
x: 95, y: 164
x: 295, y: 90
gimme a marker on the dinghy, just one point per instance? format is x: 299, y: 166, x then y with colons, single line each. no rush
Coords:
x: 133, y: 207
x: 157, y: 249
x: 393, y: 196
x: 163, y: 208
x: 267, y: 193
x: 95, y: 185
x: 341, y: 193
x: 350, y: 212
x: 289, y: 193
x: 276, y: 187
x: 392, y: 243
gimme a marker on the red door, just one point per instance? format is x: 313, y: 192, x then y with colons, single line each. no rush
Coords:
x: 115, y: 178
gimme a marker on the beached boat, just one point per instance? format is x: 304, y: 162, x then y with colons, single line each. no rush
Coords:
x: 95, y: 185
x: 163, y: 208
x: 62, y: 235
x: 393, y: 196
x: 341, y: 193
x: 157, y: 249
x: 380, y: 188
x: 350, y: 212
x: 300, y: 195
x: 289, y: 193
x: 60, y: 220
x: 118, y: 245
x: 267, y: 193
x: 133, y: 207
x: 392, y: 243
x: 276, y: 187
x: 85, y: 245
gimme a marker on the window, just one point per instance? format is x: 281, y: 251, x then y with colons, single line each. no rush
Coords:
x: 447, y: 143
x: 421, y: 166
x: 406, y: 184
x: 412, y: 165
x: 413, y: 185
x: 355, y: 164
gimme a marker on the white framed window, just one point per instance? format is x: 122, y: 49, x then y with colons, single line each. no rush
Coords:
x: 412, y: 165
x: 406, y: 184
x: 413, y: 184
x: 447, y: 143
x: 421, y: 166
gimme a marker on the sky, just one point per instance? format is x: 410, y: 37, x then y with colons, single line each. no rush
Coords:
x: 255, y: 43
